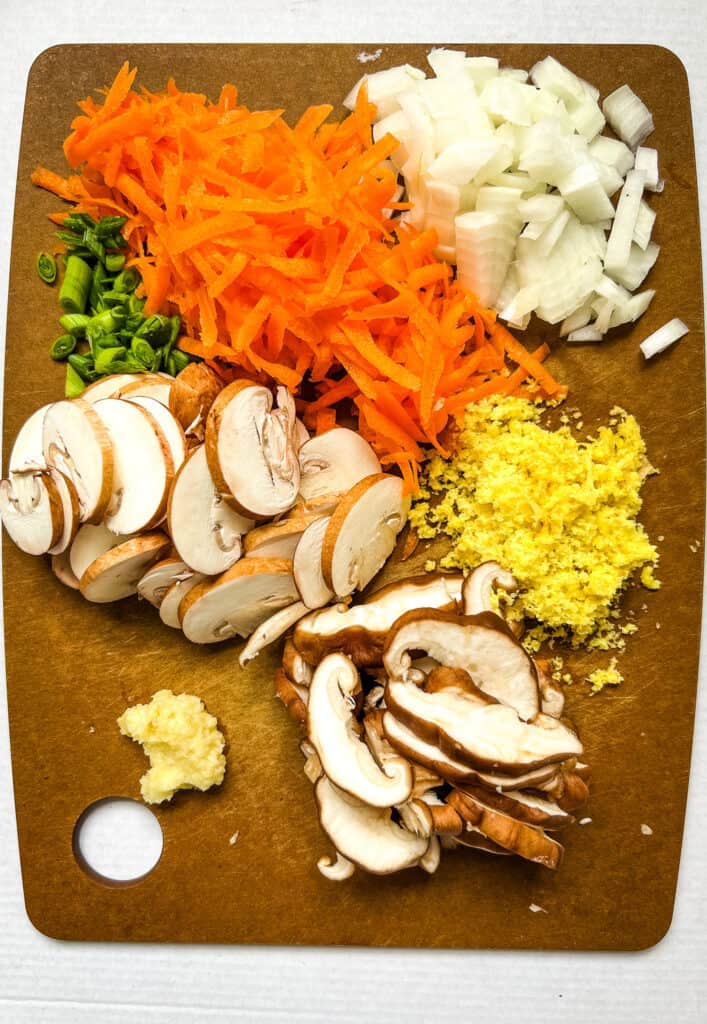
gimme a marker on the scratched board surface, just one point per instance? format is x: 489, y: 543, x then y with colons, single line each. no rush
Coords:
x: 72, y: 667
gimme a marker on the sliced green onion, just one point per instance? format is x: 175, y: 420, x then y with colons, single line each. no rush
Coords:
x: 76, y: 285
x: 115, y: 261
x: 79, y: 222
x: 74, y: 385
x: 127, y: 280
x: 46, y: 267
x: 75, y: 323
x: 84, y: 367
x: 156, y: 329
x: 143, y: 351
x: 109, y: 226
x: 179, y: 360
x: 94, y: 245
x: 107, y: 356
x: 62, y: 347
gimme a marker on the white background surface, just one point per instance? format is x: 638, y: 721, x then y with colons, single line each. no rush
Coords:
x: 42, y: 980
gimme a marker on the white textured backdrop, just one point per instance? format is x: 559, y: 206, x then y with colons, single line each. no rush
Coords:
x: 43, y: 980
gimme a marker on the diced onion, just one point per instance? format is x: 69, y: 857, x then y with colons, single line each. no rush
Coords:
x: 619, y: 245
x: 628, y: 116
x: 647, y: 161
x: 665, y: 336
x: 644, y: 225
x: 589, y: 333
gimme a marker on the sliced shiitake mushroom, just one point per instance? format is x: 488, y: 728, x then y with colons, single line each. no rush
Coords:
x: 307, y: 565
x: 525, y: 840
x: 294, y: 666
x: 251, y: 450
x: 528, y: 807
x: 193, y: 392
x: 169, y: 605
x: 77, y: 443
x: 27, y: 452
x: 159, y: 578
x: 205, y: 530
x: 115, y: 575
x: 331, y: 463
x: 89, y: 544
x: 170, y: 427
x: 70, y: 511
x: 31, y: 511
x: 143, y: 468
x: 362, y: 532
x: 479, y: 586
x: 271, y: 630
x: 345, y: 757
x: 238, y: 601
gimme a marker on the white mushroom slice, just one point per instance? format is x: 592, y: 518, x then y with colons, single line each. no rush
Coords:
x: 192, y: 394
x: 333, y: 462
x: 115, y: 575
x: 27, y: 450
x: 362, y: 532
x: 251, y: 449
x: 151, y: 386
x: 481, y: 644
x: 169, y: 605
x: 337, y: 870
x: 143, y: 469
x: 61, y: 567
x: 345, y: 757
x: 307, y: 565
x: 160, y: 577
x: 76, y: 442
x: 367, y: 836
x: 271, y: 630
x: 525, y: 840
x: 109, y: 387
x: 70, y: 511
x: 31, y: 511
x: 237, y: 602
x: 205, y: 530
x: 479, y: 731
x: 168, y: 424
x: 89, y: 544
x: 276, y: 540
x: 360, y: 631
x: 478, y: 588
x: 301, y: 434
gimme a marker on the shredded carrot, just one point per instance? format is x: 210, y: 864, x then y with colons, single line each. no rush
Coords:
x: 275, y: 246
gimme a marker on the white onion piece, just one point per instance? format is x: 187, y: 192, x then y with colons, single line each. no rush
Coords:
x: 384, y: 87
x: 446, y: 62
x: 613, y: 152
x: 485, y: 244
x: 556, y: 78
x: 639, y: 264
x: 645, y: 219
x: 481, y: 69
x: 619, y: 245
x: 665, y: 336
x: 575, y: 321
x: 584, y: 193
x: 628, y: 116
x: 629, y: 311
x: 588, y: 333
x: 647, y: 161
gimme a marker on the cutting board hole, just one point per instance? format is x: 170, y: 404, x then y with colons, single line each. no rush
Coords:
x: 117, y: 840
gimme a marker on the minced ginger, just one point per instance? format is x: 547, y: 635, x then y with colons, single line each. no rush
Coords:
x: 558, y: 513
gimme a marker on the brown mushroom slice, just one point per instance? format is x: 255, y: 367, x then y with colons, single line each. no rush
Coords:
x: 70, y: 511
x: 475, y: 840
x: 481, y: 644
x: 205, y: 530
x: 271, y: 630
x: 169, y: 605
x: 291, y: 697
x: 427, y: 816
x: 307, y: 565
x: 360, y: 630
x: 478, y: 731
x: 109, y: 387
x: 238, y: 601
x: 159, y: 578
x: 332, y: 731
x: 143, y: 468
x: 61, y: 567
x: 525, y: 840
x: 294, y: 666
x: 168, y: 424
x: 528, y: 807
x: 116, y: 574
x: 77, y: 443
x: 251, y: 449
x: 89, y: 544
x: 365, y: 835
x: 477, y: 592
x: 333, y: 462
x: 191, y: 396
x: 362, y: 532
x: 155, y: 386
x: 27, y: 450
x: 568, y: 789
x: 31, y: 511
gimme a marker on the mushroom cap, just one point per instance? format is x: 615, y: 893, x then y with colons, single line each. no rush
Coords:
x: 153, y: 586
x: 307, y: 565
x: 331, y: 463
x: 170, y: 427
x: 481, y: 644
x: 367, y: 836
x: 169, y: 605
x: 361, y: 630
x: 525, y: 840
x: 143, y: 466
x: 238, y: 601
x: 193, y: 392
x: 271, y: 630
x: 251, y: 449
x: 205, y: 530
x: 31, y: 511
x: 70, y: 511
x: 362, y: 532
x: 89, y: 544
x: 76, y: 442
x: 345, y: 757
x: 116, y: 574
x: 27, y: 450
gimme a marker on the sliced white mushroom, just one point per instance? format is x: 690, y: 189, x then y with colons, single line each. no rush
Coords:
x: 307, y: 565
x: 205, y: 530
x: 31, y: 511
x: 345, y: 757
x: 333, y: 462
x: 154, y: 386
x: 115, y: 575
x: 271, y: 630
x: 143, y: 468
x: 477, y: 593
x: 360, y: 630
x: 238, y: 601
x: 27, y: 452
x: 89, y: 544
x: 479, y: 731
x: 159, y: 578
x: 362, y: 532
x: 109, y: 387
x: 76, y: 442
x: 251, y: 449
x: 61, y: 567
x: 367, y: 836
x: 301, y: 434
x: 481, y: 644
x: 169, y: 605
x: 70, y: 511
x: 168, y: 424
x: 277, y: 540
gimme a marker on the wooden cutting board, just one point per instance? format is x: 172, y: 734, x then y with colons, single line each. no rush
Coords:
x: 72, y: 668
